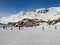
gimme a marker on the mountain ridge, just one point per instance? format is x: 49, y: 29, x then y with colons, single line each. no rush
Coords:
x: 43, y: 13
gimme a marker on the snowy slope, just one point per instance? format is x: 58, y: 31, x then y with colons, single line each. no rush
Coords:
x: 43, y: 13
x: 31, y: 36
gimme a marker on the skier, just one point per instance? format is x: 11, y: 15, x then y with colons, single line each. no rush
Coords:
x: 55, y: 27
x: 43, y: 28
x: 19, y: 27
x: 3, y: 27
x: 11, y: 28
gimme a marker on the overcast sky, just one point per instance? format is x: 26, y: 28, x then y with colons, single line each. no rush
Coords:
x: 9, y: 7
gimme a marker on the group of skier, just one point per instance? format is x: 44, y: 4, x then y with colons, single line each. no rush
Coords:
x: 19, y: 27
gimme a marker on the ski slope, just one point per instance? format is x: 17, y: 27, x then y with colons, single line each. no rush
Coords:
x: 31, y: 36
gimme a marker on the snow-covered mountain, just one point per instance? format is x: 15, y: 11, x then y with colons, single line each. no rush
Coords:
x: 43, y: 13
x: 40, y: 35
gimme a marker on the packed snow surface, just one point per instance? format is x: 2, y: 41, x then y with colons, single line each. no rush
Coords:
x: 31, y: 36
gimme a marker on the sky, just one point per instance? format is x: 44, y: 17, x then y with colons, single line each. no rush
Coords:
x: 9, y: 7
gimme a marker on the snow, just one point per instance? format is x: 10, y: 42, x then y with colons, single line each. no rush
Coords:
x: 52, y: 13
x: 31, y: 35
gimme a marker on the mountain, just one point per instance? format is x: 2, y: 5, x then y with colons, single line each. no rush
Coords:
x: 43, y: 34
x: 43, y: 13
